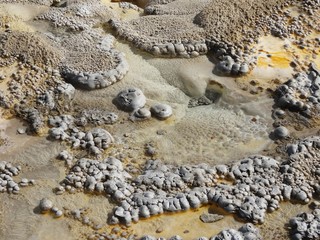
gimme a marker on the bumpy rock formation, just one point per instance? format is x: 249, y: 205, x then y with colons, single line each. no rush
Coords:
x: 305, y: 225
x: 77, y: 15
x: 95, y: 117
x: 301, y: 93
x: 176, y: 7
x: 7, y: 171
x: 154, y: 37
x: 90, y: 60
x: 140, y: 114
x: 107, y: 176
x: 7, y: 183
x: 185, y: 29
x: 161, y: 111
x: 64, y: 128
x: 256, y: 184
x: 34, y: 88
x: 246, y: 232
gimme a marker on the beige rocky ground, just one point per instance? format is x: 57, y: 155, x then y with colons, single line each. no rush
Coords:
x: 35, y: 50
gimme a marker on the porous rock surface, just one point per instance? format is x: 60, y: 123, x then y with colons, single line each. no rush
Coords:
x: 95, y: 117
x: 107, y: 176
x: 56, y: 99
x: 305, y: 225
x: 64, y: 128
x: 154, y: 37
x: 77, y: 15
x: 29, y: 48
x: 252, y: 185
x: 90, y: 60
x: 301, y: 93
x: 176, y: 7
x: 33, y: 87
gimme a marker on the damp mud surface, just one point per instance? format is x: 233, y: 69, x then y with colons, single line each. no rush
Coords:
x: 136, y: 119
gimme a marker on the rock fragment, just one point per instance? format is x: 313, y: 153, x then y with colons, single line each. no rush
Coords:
x: 281, y: 132
x: 210, y: 218
x: 140, y: 114
x: 130, y: 99
x: 45, y: 205
x: 161, y: 111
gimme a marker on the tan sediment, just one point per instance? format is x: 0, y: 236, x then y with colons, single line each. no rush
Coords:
x: 17, y: 15
x: 276, y: 222
x: 14, y: 141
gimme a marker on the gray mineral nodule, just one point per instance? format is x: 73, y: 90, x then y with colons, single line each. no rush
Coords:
x: 281, y: 132
x: 45, y: 205
x: 161, y: 111
x: 130, y: 99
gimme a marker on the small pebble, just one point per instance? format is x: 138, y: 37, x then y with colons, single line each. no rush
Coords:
x: 281, y: 132
x: 161, y: 111
x: 45, y: 205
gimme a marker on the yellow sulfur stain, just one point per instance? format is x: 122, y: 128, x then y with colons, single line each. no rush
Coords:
x: 281, y: 60
x: 277, y: 59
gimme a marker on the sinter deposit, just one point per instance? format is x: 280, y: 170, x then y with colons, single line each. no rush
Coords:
x: 117, y: 115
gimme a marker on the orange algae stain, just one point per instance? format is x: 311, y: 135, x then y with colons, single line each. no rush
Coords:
x: 187, y: 224
x: 170, y: 121
x: 276, y: 59
x: 225, y: 181
x: 263, y: 62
